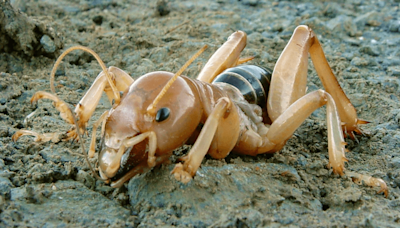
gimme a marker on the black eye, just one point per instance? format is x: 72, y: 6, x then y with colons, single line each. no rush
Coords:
x: 162, y: 114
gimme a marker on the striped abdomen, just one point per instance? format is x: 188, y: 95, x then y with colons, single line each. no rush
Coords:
x: 252, y: 81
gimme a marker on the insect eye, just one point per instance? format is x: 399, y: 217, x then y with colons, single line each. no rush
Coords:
x: 162, y: 114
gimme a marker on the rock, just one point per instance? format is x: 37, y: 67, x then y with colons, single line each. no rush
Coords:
x: 370, y: 18
x: 359, y: 61
x: 394, y: 25
x: 250, y: 2
x: 69, y: 204
x: 48, y: 44
x: 200, y: 201
x: 98, y: 19
x: 86, y: 179
x: 163, y: 8
x: 395, y: 162
x: 370, y: 50
x: 342, y: 23
x: 5, y: 186
x: 19, y: 33
x: 394, y: 71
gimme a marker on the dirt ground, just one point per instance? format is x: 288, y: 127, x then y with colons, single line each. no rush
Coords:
x: 50, y: 184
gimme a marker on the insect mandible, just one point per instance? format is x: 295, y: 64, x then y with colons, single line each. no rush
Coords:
x: 245, y: 110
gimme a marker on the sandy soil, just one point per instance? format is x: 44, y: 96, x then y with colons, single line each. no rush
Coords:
x: 50, y: 185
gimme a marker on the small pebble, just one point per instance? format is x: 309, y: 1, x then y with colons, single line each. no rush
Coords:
x: 394, y: 26
x: 395, y: 162
x: 98, y: 19
x: 373, y: 51
x: 163, y: 8
x: 394, y: 70
x: 48, y: 44
x: 3, y: 101
x: 250, y: 2
x: 359, y: 61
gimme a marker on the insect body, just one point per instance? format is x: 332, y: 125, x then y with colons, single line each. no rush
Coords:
x: 243, y: 109
x: 196, y: 103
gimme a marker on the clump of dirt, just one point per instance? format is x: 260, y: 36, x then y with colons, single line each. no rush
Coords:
x: 19, y: 33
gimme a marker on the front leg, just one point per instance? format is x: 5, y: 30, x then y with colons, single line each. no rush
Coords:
x: 112, y: 81
x: 88, y: 103
x: 65, y: 113
x: 184, y: 172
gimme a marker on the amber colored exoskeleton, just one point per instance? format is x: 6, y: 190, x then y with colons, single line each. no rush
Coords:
x: 228, y: 108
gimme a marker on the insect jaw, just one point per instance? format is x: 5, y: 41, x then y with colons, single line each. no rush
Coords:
x: 111, y: 160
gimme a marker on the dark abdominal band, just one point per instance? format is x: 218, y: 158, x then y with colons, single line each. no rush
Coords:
x: 252, y: 81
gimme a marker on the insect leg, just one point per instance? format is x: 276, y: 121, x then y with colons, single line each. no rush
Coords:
x: 86, y: 106
x: 54, y: 137
x: 289, y: 79
x: 184, y: 172
x: 347, y: 112
x: 88, y: 103
x: 283, y: 127
x: 101, y: 121
x: 370, y: 181
x: 225, y: 57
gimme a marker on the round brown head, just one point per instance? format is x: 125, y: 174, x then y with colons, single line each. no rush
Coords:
x: 131, y: 131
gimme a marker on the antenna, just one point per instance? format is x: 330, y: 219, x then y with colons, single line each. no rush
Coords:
x: 151, y: 110
x: 97, y: 57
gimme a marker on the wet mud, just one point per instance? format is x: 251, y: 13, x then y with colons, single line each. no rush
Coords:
x: 50, y: 184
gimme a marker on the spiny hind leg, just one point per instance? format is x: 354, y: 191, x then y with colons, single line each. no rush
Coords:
x: 253, y: 143
x: 228, y: 55
x: 347, y: 112
x: 289, y: 79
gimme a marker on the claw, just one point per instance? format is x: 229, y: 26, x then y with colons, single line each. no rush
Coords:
x: 181, y: 173
x: 354, y: 129
x: 338, y: 167
x: 370, y: 181
x: 60, y: 105
x: 72, y: 135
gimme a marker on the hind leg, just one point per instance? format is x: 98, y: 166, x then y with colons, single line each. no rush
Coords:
x: 253, y: 143
x: 289, y: 78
